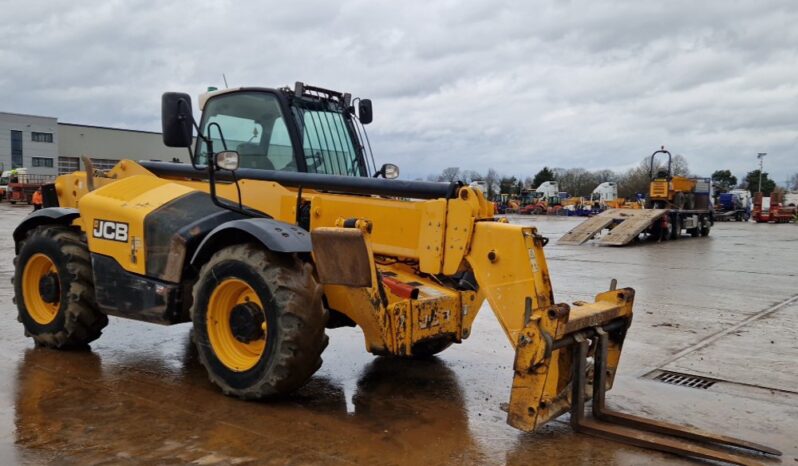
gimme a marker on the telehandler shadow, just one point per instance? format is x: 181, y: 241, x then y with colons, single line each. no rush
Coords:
x: 88, y: 407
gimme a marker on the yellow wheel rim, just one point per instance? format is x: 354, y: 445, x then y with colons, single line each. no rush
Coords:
x: 237, y: 355
x: 37, y: 268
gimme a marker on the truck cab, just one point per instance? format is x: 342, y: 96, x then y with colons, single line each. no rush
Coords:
x: 548, y: 189
x: 605, y: 192
x: 5, y: 178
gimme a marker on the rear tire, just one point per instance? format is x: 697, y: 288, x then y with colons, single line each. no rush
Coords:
x: 676, y: 227
x: 679, y: 200
x: 282, y: 348
x: 53, y: 289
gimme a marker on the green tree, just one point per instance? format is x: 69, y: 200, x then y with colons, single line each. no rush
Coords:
x: 542, y: 176
x: 509, y: 185
x: 752, y: 182
x: 724, y: 179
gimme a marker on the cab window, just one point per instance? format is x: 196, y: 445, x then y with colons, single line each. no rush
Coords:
x: 252, y: 124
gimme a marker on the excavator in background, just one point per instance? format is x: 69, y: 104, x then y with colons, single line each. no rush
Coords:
x: 282, y: 226
x: 674, y: 204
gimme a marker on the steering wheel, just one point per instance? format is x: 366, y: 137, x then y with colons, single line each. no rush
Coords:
x: 314, y: 160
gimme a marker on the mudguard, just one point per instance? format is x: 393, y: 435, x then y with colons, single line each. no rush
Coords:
x: 274, y: 235
x: 57, y: 215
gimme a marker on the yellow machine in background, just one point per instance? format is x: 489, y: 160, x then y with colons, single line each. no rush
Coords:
x: 282, y: 226
x: 666, y: 190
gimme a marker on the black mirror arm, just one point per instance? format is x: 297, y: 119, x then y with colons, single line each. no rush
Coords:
x: 182, y: 117
x: 212, y: 178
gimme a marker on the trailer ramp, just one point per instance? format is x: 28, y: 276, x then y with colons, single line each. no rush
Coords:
x: 624, y: 224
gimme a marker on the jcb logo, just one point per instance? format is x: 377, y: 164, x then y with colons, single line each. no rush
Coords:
x: 106, y: 229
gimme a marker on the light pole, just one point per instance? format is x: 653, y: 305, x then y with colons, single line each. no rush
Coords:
x: 761, y: 157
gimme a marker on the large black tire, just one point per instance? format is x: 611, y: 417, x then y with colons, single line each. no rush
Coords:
x: 293, y: 314
x: 76, y: 320
x: 430, y: 347
x: 690, y: 201
x: 679, y: 200
x: 706, y: 225
x: 676, y: 227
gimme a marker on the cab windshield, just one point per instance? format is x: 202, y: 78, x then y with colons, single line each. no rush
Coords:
x: 327, y: 140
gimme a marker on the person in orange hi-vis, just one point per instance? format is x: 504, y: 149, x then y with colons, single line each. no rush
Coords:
x: 37, y: 199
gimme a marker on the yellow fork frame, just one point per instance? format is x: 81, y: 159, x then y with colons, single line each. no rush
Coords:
x: 511, y: 271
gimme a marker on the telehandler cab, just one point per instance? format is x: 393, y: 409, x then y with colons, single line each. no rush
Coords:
x: 283, y: 226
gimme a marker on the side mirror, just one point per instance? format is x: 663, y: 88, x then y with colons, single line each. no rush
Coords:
x: 388, y: 171
x: 176, y: 119
x: 364, y: 111
x: 227, y: 160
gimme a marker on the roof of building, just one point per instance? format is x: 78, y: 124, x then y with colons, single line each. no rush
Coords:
x: 27, y: 115
x: 109, y: 128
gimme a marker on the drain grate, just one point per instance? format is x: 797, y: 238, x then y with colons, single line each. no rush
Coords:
x: 684, y: 380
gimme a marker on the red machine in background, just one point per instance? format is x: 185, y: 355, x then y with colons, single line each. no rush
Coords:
x: 21, y: 187
x: 775, y: 212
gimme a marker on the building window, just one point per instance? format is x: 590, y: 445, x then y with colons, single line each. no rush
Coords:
x: 43, y: 162
x: 67, y: 165
x: 41, y: 137
x: 16, y: 149
x: 104, y: 164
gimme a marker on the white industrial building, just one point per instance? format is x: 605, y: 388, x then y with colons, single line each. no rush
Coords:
x: 47, y: 147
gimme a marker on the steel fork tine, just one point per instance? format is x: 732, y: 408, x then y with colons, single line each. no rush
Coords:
x: 602, y: 413
x: 638, y: 431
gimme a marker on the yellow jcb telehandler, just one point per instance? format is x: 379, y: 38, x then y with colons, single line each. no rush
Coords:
x: 282, y: 226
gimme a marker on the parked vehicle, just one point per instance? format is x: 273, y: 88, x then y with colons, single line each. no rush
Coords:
x: 734, y: 205
x: 675, y: 204
x: 772, y: 209
x: 6, y: 177
x: 21, y: 187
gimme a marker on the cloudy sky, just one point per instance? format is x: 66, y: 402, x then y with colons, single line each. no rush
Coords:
x: 475, y: 84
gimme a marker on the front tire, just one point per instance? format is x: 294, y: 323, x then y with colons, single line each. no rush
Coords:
x: 706, y: 225
x: 258, y: 321
x: 53, y: 289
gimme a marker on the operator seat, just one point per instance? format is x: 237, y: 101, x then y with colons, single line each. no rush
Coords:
x: 251, y: 155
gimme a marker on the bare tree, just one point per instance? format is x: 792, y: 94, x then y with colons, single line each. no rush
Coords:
x: 635, y: 180
x: 450, y: 174
x: 605, y: 175
x: 467, y: 176
x: 528, y: 182
x: 491, y: 179
x: 679, y: 166
x: 793, y: 184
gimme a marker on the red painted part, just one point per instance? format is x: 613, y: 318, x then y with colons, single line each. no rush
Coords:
x: 777, y: 214
x: 403, y: 290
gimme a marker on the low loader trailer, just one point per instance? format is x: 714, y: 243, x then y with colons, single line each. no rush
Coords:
x: 775, y: 211
x: 675, y: 205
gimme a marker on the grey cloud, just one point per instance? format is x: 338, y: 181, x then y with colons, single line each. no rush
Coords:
x: 509, y: 85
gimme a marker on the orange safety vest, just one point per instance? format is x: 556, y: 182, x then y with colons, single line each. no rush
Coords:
x: 37, y: 197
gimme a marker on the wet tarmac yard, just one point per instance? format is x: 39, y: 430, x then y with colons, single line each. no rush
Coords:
x: 714, y: 344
